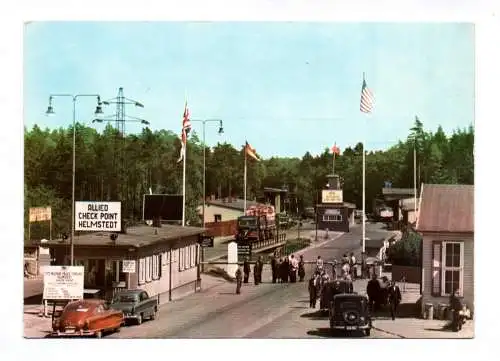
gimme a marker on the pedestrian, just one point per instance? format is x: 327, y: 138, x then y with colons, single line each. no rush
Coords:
x: 352, y: 265
x: 274, y: 267
x: 279, y: 272
x: 319, y: 265
x: 294, y: 265
x: 456, y: 307
x: 285, y: 270
x: 238, y: 280
x: 373, y: 292
x: 256, y: 270
x: 261, y: 267
x: 394, y: 298
x: 246, y: 270
x: 302, y: 270
x: 312, y: 292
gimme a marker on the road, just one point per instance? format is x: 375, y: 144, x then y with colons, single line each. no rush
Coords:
x: 264, y: 311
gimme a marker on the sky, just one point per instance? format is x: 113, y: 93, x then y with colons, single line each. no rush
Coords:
x: 285, y: 87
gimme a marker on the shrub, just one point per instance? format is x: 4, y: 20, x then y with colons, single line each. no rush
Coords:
x: 407, y: 251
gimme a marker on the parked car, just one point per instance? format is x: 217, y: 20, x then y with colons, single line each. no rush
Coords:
x: 350, y: 312
x: 135, y: 305
x: 331, y: 289
x: 90, y: 317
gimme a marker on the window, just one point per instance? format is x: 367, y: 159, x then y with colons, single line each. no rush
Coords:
x: 187, y: 256
x: 165, y: 258
x: 447, y: 268
x: 149, y: 268
x: 142, y: 271
x: 217, y: 218
x: 332, y: 218
x: 157, y: 266
x: 193, y: 256
x: 181, y: 259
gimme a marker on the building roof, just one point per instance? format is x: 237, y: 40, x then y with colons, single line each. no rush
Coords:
x: 275, y: 190
x: 234, y: 203
x: 135, y: 237
x: 446, y: 208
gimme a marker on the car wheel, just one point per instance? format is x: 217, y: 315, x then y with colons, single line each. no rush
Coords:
x: 368, y: 331
x: 98, y: 334
x: 139, y: 319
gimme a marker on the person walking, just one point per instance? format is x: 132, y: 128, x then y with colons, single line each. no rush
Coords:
x: 352, y: 266
x: 261, y: 267
x: 373, y: 292
x: 312, y: 292
x: 294, y: 266
x: 302, y: 269
x: 246, y: 270
x: 285, y: 270
x: 394, y: 298
x: 274, y: 267
x: 256, y: 270
x: 279, y: 272
x: 238, y: 280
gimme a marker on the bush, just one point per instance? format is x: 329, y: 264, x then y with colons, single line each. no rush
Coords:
x: 407, y: 251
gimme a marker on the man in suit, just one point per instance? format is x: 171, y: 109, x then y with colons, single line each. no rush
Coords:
x: 274, y: 267
x: 246, y: 270
x: 394, y: 298
x: 373, y: 292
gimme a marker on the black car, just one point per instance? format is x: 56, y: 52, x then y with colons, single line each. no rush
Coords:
x: 331, y: 289
x: 349, y: 312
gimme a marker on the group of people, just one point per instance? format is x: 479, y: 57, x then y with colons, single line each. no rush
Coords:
x: 380, y: 292
x: 283, y: 270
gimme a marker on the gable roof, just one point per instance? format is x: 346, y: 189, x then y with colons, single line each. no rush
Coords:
x: 446, y: 208
x: 236, y: 203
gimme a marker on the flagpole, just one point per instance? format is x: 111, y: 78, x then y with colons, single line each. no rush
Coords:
x: 415, y: 175
x: 184, y: 187
x: 334, y: 162
x: 364, y: 190
x: 245, y: 182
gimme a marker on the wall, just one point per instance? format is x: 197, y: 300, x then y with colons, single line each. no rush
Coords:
x: 468, y: 280
x: 220, y: 229
x: 412, y: 274
x: 227, y: 214
x: 182, y: 259
x: 342, y: 226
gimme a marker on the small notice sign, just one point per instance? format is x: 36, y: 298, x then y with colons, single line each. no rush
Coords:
x: 39, y: 214
x: 128, y: 266
x: 98, y: 216
x: 63, y: 282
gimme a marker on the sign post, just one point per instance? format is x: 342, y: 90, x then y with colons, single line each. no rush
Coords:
x: 129, y: 266
x: 62, y: 282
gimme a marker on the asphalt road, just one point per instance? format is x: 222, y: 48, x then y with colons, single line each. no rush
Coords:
x: 264, y: 311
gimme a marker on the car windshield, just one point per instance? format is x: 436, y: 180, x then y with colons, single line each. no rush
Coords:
x: 125, y: 298
x: 247, y: 222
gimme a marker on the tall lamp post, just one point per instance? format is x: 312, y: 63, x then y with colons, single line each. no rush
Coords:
x: 50, y: 111
x: 221, y: 130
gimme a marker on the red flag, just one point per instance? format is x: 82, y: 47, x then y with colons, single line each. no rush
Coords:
x: 335, y: 149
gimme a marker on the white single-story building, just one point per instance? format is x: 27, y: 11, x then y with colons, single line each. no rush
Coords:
x: 446, y: 223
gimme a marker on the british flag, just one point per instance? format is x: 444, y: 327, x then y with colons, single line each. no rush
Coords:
x: 186, y: 128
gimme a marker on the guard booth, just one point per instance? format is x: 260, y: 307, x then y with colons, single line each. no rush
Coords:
x: 332, y: 213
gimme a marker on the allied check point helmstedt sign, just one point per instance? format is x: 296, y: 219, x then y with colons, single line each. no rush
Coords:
x: 98, y: 216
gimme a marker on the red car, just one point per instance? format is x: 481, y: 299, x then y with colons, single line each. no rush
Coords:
x: 87, y: 318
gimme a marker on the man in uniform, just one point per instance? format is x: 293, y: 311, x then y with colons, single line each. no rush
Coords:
x: 312, y: 291
x: 302, y: 270
x: 246, y: 270
x: 238, y: 280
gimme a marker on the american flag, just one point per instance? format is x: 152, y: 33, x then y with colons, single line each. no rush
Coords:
x: 186, y: 127
x: 251, y: 151
x: 366, y: 105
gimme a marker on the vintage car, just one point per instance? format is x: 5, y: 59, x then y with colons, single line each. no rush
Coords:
x: 350, y: 312
x: 86, y: 318
x: 332, y: 288
x: 135, y: 305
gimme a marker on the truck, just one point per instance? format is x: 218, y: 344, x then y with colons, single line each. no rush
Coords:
x: 257, y: 224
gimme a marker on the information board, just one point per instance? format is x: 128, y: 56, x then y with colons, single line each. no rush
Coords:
x: 331, y: 196
x: 98, y: 216
x: 63, y: 282
x: 128, y: 266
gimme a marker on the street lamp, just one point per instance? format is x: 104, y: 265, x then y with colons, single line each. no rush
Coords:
x: 137, y: 120
x: 221, y: 131
x: 50, y: 111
